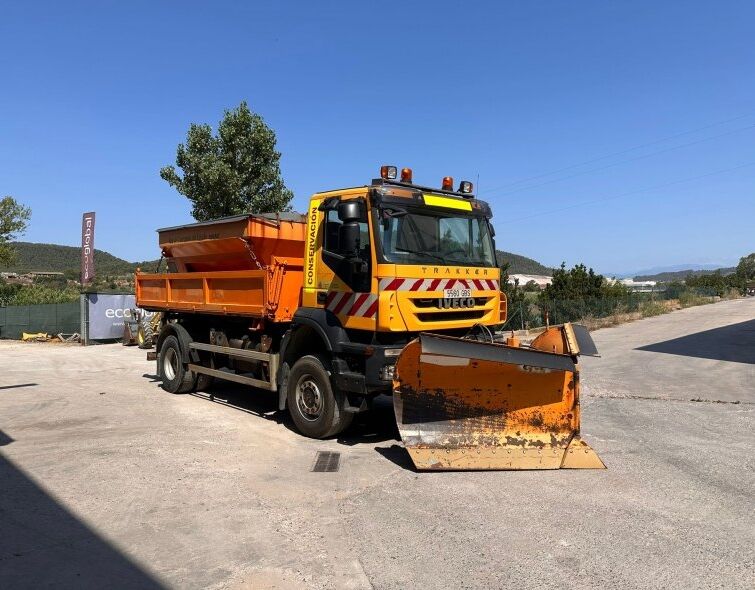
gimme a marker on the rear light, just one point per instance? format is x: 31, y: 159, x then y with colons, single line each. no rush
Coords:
x: 448, y: 183
x: 502, y: 308
x: 465, y: 187
x: 406, y: 175
x: 388, y: 172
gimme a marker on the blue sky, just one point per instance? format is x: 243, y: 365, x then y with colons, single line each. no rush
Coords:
x: 96, y: 96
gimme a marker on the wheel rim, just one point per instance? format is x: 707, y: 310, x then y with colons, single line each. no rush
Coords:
x: 170, y: 364
x: 309, y: 398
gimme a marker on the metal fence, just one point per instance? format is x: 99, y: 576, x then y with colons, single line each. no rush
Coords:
x: 52, y: 318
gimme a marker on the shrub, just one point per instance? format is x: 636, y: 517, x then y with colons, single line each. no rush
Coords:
x: 652, y: 308
x: 691, y: 298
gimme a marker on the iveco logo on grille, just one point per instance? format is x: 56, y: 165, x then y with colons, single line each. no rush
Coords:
x: 455, y: 302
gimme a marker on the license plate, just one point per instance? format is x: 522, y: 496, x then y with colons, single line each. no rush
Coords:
x: 457, y: 293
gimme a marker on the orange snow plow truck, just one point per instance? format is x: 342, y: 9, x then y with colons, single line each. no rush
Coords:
x: 390, y: 288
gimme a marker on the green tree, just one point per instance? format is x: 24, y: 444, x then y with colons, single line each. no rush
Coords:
x: 578, y: 292
x: 746, y: 267
x: 236, y: 171
x: 573, y: 284
x: 711, y: 284
x: 14, y: 218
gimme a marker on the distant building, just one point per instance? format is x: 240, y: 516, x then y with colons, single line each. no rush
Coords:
x: 540, y: 280
x: 45, y: 274
x: 641, y: 286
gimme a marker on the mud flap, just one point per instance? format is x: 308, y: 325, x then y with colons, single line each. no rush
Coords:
x: 467, y: 405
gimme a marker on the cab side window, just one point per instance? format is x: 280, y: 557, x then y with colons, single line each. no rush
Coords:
x: 334, y: 254
x: 332, y: 226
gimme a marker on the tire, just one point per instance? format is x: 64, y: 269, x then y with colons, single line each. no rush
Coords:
x: 317, y: 411
x: 141, y: 338
x: 145, y: 335
x: 174, y: 374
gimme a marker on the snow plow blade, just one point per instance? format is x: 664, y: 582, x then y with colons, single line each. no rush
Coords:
x: 470, y: 405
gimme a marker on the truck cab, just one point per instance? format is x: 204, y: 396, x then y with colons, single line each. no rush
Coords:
x: 387, y: 261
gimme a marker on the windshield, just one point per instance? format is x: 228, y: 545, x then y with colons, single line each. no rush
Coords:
x: 411, y: 237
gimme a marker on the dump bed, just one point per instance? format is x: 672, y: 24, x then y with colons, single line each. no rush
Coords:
x: 248, y: 265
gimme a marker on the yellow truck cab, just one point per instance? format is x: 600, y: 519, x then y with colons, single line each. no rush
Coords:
x: 387, y: 261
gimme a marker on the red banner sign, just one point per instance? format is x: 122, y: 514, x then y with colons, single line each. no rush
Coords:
x: 87, y: 248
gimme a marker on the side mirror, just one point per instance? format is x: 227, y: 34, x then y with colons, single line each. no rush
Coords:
x: 349, y: 239
x: 329, y: 204
x: 352, y: 211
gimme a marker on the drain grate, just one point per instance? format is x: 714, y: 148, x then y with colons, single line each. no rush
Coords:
x: 327, y: 461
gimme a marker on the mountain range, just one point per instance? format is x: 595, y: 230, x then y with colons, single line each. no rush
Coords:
x: 55, y: 258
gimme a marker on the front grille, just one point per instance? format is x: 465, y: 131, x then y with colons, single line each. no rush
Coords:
x: 425, y: 303
x: 472, y: 314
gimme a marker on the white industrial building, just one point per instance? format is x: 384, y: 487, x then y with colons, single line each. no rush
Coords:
x: 540, y: 280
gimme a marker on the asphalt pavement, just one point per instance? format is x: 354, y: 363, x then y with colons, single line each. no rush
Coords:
x: 106, y: 480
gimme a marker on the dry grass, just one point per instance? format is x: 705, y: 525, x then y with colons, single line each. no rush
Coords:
x: 647, y: 309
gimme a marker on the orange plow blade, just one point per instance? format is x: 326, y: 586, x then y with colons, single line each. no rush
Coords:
x: 470, y: 405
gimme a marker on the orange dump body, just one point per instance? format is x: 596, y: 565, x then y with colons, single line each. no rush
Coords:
x: 249, y: 265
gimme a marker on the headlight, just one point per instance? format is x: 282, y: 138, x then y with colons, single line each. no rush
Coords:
x: 387, y: 372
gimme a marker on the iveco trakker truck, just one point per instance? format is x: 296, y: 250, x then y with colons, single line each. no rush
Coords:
x: 388, y: 288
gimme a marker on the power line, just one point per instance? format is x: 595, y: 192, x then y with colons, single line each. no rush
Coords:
x: 669, y: 149
x: 619, y: 153
x: 634, y: 192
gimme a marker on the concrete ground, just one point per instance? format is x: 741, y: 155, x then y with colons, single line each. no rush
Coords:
x: 107, y: 481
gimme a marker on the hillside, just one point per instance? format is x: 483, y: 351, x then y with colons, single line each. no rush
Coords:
x: 522, y: 265
x: 680, y: 275
x: 52, y: 257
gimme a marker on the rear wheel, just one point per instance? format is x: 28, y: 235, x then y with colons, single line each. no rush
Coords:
x: 174, y: 373
x: 315, y: 408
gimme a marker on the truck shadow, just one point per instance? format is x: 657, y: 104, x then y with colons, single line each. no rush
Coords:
x: 397, y: 455
x: 43, y: 545
x: 734, y: 343
x: 258, y: 402
x: 373, y: 427
x: 377, y: 425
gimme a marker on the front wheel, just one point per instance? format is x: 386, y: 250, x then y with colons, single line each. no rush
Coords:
x: 174, y: 374
x: 315, y: 408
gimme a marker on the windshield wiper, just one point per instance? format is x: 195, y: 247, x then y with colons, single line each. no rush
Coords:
x: 422, y: 253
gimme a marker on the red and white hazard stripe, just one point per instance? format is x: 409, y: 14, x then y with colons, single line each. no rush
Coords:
x: 395, y: 284
x: 361, y: 305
